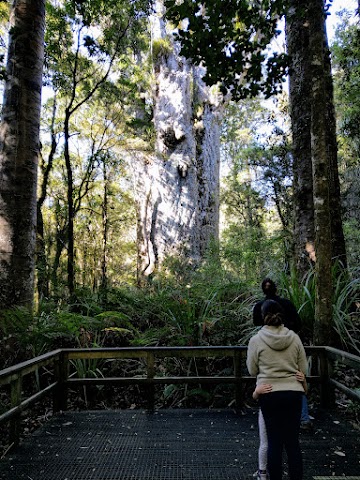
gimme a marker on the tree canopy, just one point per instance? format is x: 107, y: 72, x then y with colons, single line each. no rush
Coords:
x: 231, y: 38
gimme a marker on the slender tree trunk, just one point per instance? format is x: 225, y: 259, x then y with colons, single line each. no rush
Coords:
x: 42, y: 264
x: 19, y: 150
x: 321, y: 184
x: 76, y: 101
x: 60, y: 243
x: 70, y: 206
x: 105, y: 226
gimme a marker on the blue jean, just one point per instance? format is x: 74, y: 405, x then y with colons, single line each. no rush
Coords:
x: 304, y: 410
x: 282, y: 411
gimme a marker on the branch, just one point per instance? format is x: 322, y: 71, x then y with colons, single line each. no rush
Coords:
x: 103, y: 79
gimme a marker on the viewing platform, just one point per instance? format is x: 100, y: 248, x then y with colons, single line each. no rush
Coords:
x: 172, y: 444
x: 166, y: 443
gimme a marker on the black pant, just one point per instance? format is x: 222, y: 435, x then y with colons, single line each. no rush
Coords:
x: 282, y: 411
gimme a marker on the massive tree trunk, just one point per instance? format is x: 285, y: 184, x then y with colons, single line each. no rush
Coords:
x: 19, y: 150
x: 178, y: 187
x: 321, y: 176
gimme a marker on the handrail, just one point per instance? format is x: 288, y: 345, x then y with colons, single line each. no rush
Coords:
x: 8, y: 374
x: 60, y: 361
x: 150, y: 379
x: 345, y: 357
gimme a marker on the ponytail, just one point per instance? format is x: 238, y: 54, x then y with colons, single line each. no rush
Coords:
x: 272, y: 313
x: 274, y: 319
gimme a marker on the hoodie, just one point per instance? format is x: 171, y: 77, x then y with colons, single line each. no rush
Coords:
x: 274, y: 355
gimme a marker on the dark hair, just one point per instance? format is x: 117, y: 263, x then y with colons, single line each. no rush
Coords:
x: 268, y: 287
x: 272, y: 313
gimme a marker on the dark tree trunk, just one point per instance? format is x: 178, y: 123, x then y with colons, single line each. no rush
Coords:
x: 321, y: 167
x: 42, y: 264
x: 297, y: 35
x: 60, y: 244
x: 338, y: 249
x: 297, y: 30
x: 19, y: 151
x: 70, y: 206
x: 105, y: 226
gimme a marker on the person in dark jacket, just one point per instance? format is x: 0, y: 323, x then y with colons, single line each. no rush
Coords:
x: 291, y: 317
x: 292, y: 321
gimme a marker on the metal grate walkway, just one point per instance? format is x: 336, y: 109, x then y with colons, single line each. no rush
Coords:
x: 170, y: 445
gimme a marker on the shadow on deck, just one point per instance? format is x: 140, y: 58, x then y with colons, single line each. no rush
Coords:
x: 171, y: 445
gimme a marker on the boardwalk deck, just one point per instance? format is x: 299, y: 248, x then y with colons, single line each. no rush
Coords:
x: 171, y: 445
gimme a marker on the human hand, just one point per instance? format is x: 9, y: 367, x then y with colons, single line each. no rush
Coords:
x: 300, y: 377
x: 262, y: 389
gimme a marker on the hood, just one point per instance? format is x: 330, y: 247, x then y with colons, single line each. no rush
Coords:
x: 277, y: 338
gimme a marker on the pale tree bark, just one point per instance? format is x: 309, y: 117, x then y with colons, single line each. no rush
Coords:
x: 207, y: 127
x: 19, y: 151
x: 178, y: 187
x: 321, y: 166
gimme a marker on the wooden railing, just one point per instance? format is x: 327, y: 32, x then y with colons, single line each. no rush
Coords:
x: 57, y: 364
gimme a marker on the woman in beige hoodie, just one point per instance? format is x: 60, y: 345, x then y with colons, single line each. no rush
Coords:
x: 275, y: 355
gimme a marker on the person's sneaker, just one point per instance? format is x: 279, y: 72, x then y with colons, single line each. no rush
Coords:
x: 261, y: 475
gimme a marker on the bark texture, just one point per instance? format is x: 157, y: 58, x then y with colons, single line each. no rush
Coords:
x: 321, y: 176
x: 178, y: 190
x: 297, y: 39
x: 300, y: 84
x: 19, y: 150
x: 338, y: 248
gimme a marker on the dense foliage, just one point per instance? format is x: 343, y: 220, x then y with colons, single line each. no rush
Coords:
x: 346, y: 59
x: 231, y: 39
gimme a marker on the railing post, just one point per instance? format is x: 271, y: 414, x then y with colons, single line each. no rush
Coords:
x: 238, y: 376
x: 327, y: 393
x: 61, y: 391
x: 16, y: 388
x: 150, y: 375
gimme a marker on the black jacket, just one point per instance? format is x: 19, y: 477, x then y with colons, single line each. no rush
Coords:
x: 292, y: 320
